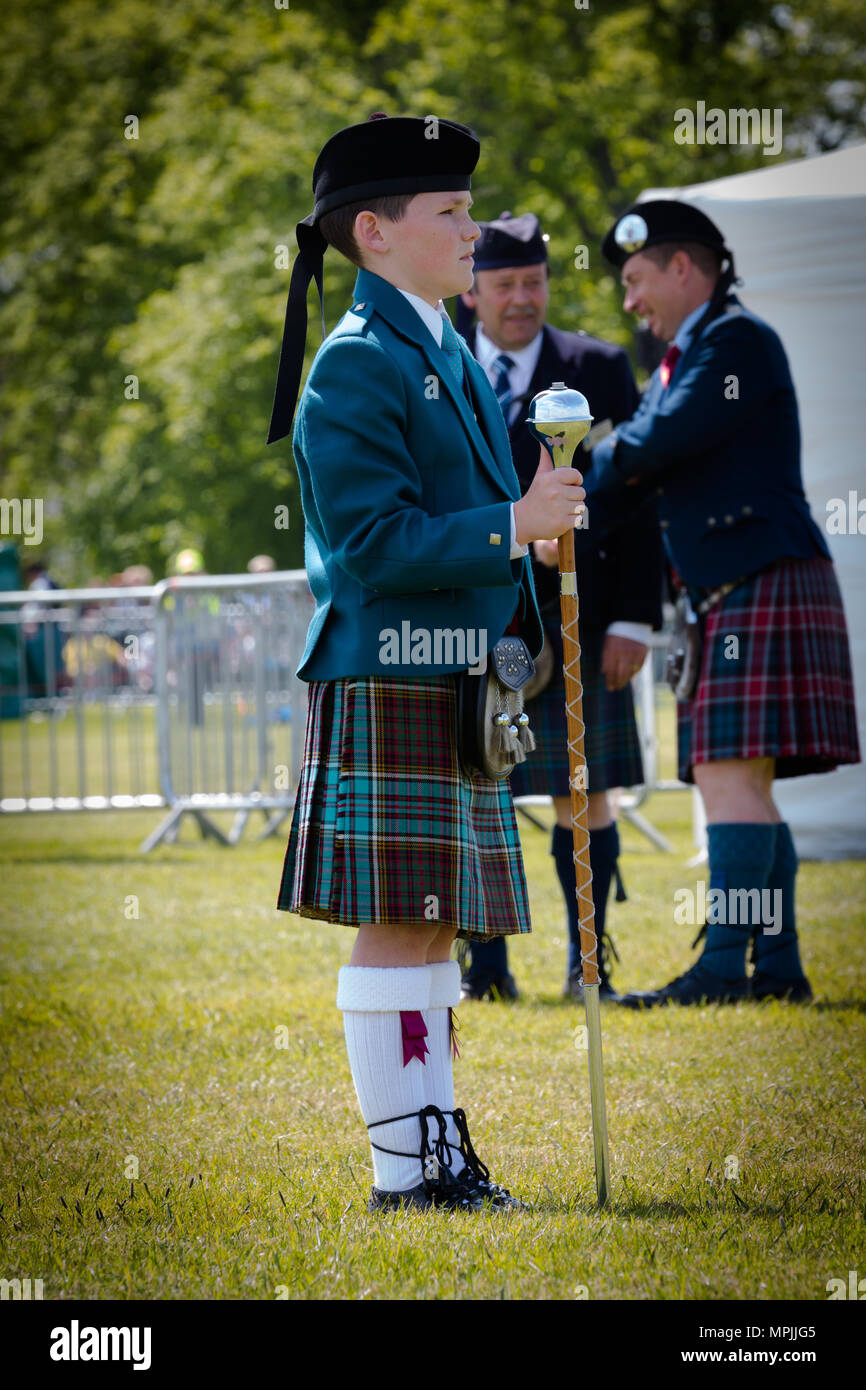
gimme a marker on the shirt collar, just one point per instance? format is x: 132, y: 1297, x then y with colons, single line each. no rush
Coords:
x: 684, y: 333
x: 432, y: 316
x: 525, y: 358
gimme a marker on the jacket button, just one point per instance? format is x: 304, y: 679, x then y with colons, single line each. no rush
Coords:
x: 729, y: 521
x: 664, y: 525
x: 495, y: 538
x: 356, y: 307
x: 747, y: 511
x: 660, y: 492
x: 711, y: 521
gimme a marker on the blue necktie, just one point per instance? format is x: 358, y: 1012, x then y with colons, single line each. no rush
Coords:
x: 451, y: 348
x: 502, y: 386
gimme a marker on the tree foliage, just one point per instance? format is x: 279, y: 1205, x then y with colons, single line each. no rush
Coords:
x: 142, y: 282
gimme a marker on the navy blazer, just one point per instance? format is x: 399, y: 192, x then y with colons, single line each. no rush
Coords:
x: 407, y: 486
x: 721, y: 449
x: 621, y: 580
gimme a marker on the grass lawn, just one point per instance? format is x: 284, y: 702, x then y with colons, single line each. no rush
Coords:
x: 158, y: 1141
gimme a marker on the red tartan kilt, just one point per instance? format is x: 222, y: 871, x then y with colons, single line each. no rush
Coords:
x: 783, y: 688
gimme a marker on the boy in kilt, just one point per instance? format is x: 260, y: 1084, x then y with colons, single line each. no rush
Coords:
x: 717, y: 438
x: 619, y: 585
x: 415, y: 528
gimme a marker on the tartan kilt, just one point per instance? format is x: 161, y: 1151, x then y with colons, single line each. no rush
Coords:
x: 611, y: 744
x: 387, y: 827
x: 789, y: 692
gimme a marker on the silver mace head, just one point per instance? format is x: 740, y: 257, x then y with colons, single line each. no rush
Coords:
x: 560, y: 414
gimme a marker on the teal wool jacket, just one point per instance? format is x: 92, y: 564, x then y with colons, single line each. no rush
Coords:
x: 406, y: 488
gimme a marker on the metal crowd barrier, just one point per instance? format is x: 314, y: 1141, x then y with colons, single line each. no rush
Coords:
x: 183, y: 696
x: 77, y: 709
x: 180, y: 696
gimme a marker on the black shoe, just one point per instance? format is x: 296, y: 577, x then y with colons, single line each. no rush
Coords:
x: 444, y: 1191
x: 797, y: 991
x: 470, y: 990
x: 502, y: 988
x: 475, y: 1175
x: 399, y: 1201
x: 574, y: 987
x: 438, y: 1187
x: 490, y: 1193
x: 696, y: 986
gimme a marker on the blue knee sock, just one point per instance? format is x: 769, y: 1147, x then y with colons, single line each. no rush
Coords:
x: 603, y: 854
x: 777, y: 952
x: 741, y: 857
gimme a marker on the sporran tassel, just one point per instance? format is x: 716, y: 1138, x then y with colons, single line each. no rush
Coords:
x: 502, y: 720
x: 525, y: 734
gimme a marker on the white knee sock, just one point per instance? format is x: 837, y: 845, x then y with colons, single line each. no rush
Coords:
x: 372, y: 1000
x: 444, y: 996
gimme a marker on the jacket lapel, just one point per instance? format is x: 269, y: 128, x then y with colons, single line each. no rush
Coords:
x: 548, y: 369
x: 731, y: 303
x: 399, y: 313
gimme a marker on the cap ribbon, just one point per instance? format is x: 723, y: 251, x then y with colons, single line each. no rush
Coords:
x: 308, y: 266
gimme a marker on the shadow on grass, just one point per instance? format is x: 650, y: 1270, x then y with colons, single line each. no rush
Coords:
x: 666, y: 1208
x: 84, y: 858
x: 632, y: 1206
x: 857, y: 1006
x: 563, y: 1003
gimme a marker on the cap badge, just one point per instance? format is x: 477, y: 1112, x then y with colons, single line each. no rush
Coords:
x: 631, y: 232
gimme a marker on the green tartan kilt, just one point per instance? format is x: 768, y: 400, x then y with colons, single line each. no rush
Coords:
x: 388, y: 828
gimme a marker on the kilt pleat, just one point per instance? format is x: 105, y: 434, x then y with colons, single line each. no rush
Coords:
x: 784, y: 689
x: 611, y: 743
x: 387, y: 827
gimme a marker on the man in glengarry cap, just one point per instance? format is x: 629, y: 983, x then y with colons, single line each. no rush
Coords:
x: 716, y: 437
x: 619, y: 585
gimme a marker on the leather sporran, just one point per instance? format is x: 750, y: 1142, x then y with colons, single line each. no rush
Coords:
x: 683, y: 666
x: 493, y: 733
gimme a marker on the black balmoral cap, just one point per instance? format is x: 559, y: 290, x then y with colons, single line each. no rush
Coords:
x: 650, y: 224
x: 393, y: 154
x: 510, y: 241
x: 381, y: 156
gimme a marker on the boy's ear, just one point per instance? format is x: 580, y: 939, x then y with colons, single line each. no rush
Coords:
x: 368, y: 235
x: 468, y: 299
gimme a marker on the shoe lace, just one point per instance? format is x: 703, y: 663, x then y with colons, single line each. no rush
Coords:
x: 434, y: 1153
x: 480, y: 1173
x: 470, y: 1158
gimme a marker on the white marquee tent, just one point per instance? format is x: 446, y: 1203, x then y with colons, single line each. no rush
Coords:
x: 798, y: 233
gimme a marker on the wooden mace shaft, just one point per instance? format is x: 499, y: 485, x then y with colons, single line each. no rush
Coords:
x: 569, y: 610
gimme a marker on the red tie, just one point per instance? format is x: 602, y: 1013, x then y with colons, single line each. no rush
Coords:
x: 668, y: 362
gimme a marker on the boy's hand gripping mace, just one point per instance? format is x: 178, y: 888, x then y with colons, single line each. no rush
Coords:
x: 562, y: 414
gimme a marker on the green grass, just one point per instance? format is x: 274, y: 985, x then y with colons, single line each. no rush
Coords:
x: 151, y: 1041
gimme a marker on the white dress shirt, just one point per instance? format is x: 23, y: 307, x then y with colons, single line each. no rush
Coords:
x: 519, y: 376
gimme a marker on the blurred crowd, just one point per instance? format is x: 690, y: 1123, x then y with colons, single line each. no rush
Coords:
x: 105, y: 643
